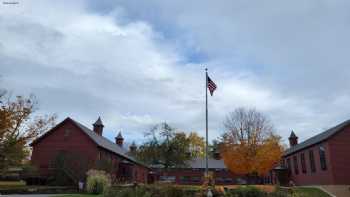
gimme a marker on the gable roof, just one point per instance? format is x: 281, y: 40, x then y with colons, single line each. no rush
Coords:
x: 212, y: 163
x: 317, y: 138
x: 198, y: 163
x: 98, y: 140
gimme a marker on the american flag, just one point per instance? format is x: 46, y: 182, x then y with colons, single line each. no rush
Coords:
x: 211, y: 86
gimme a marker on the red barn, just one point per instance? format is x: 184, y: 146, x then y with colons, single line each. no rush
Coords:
x: 320, y: 160
x: 70, y: 136
x: 193, y: 172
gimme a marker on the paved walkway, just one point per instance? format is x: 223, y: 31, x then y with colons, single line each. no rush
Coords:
x: 337, y: 190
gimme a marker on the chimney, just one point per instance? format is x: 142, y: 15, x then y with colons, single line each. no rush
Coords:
x: 98, y: 126
x: 132, y: 148
x: 119, y: 139
x: 293, y: 139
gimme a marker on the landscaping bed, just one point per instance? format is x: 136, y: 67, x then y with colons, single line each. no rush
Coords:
x: 23, y: 189
x: 161, y: 190
x: 230, y: 191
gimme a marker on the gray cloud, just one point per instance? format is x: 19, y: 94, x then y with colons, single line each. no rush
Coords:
x: 134, y: 63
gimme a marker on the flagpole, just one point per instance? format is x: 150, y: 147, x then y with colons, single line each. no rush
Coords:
x: 206, y: 121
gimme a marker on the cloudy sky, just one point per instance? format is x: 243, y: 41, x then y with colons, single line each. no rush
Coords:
x: 136, y: 63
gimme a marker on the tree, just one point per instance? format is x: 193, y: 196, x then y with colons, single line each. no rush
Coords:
x: 197, y: 145
x: 250, y: 146
x: 18, y: 127
x: 170, y: 148
x: 214, y: 147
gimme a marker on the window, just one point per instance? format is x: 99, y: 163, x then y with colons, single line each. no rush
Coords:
x: 323, y: 158
x: 295, y: 164
x: 228, y: 180
x: 67, y: 133
x: 219, y: 180
x: 289, y: 166
x: 185, y: 179
x: 196, y: 179
x: 312, y: 161
x: 283, y: 163
x: 135, y: 174
x: 167, y: 178
x: 303, y: 164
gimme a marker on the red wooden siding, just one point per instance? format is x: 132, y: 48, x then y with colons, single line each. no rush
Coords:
x: 69, y: 138
x: 339, y: 146
x: 66, y: 137
x: 321, y: 177
x: 337, y: 154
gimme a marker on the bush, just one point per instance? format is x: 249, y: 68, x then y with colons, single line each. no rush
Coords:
x: 149, y: 191
x: 247, y: 191
x: 129, y: 192
x: 171, y: 191
x: 97, y: 181
x: 278, y: 194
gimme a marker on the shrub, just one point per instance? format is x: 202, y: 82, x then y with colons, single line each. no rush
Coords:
x: 149, y: 191
x: 247, y: 191
x: 171, y: 191
x: 278, y: 194
x: 97, y: 181
x: 127, y: 192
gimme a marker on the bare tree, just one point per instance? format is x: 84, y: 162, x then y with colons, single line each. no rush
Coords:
x: 247, y: 126
x: 249, y: 143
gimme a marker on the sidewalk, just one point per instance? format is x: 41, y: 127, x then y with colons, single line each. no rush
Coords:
x: 337, y: 190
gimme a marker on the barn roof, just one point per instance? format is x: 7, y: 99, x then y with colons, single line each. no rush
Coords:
x: 107, y: 144
x: 101, y: 141
x: 317, y: 138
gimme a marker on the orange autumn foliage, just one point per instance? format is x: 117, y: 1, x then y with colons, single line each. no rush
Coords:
x: 245, y: 159
x: 250, y: 146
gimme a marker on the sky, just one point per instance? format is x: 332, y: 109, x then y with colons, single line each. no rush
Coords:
x: 138, y: 63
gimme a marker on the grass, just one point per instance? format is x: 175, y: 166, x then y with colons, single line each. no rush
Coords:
x: 266, y: 188
x: 78, y: 195
x: 310, y: 192
x: 12, y: 183
x: 300, y: 191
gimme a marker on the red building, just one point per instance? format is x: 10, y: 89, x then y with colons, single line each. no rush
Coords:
x: 320, y: 160
x: 70, y: 136
x: 193, y: 172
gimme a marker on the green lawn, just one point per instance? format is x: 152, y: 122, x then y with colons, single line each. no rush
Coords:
x: 310, y: 192
x: 78, y: 195
x: 12, y: 183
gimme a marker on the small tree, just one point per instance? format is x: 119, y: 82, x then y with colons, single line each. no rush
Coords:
x: 197, y: 145
x: 250, y: 146
x: 170, y: 148
x: 18, y: 127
